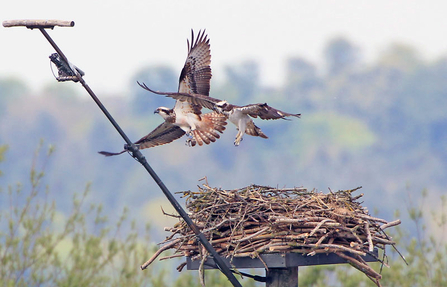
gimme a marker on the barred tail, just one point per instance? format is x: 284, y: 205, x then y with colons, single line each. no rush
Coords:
x: 207, y: 131
x: 253, y: 130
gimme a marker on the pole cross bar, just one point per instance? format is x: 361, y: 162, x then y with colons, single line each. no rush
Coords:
x: 31, y: 24
x: 42, y: 25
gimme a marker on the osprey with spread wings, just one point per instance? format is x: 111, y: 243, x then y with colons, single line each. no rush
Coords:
x: 186, y: 117
x: 240, y: 116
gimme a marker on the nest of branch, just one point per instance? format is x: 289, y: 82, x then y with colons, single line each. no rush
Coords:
x: 259, y: 219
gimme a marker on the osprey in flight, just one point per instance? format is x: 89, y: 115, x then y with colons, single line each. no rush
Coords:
x: 238, y: 115
x: 186, y: 117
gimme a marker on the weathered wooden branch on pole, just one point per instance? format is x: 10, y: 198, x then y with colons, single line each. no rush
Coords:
x: 37, y: 24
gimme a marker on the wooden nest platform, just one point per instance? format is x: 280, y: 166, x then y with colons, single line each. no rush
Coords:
x: 256, y: 220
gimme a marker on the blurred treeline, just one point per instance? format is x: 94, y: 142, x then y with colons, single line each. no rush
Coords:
x: 44, y: 245
x: 381, y: 125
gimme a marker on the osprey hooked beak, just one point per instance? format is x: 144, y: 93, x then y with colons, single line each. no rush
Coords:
x: 163, y: 112
x: 159, y: 109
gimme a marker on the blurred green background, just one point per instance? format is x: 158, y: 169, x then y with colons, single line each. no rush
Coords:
x: 381, y: 126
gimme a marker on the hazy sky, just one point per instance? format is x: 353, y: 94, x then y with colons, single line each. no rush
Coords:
x: 113, y: 39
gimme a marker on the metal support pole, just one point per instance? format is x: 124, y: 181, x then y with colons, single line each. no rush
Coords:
x: 282, y: 277
x: 136, y: 153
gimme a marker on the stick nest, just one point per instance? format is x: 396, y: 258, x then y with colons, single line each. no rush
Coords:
x: 259, y: 219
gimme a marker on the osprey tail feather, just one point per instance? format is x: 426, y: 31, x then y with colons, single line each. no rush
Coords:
x: 207, y: 131
x: 254, y: 130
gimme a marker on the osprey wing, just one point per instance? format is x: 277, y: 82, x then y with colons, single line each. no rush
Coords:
x: 194, y: 99
x: 196, y: 73
x: 163, y: 134
x: 267, y: 112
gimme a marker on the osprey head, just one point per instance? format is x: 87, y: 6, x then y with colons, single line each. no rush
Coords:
x: 163, y: 112
x: 220, y: 106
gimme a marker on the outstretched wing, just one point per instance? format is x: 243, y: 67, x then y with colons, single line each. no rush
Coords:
x: 163, y: 134
x: 263, y: 111
x: 266, y: 112
x: 196, y: 73
x: 194, y: 99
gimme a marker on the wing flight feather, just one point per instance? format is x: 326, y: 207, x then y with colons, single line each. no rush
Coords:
x: 267, y: 112
x: 194, y: 99
x: 163, y: 134
x: 196, y: 73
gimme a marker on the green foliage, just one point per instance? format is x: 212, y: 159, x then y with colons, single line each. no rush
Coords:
x: 212, y: 278
x: 314, y: 276
x: 39, y: 245
x: 338, y: 131
x: 3, y: 149
x: 426, y: 252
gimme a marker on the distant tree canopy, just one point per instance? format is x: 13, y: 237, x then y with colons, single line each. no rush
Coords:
x: 158, y: 78
x: 301, y: 83
x: 11, y: 89
x: 340, y: 55
x: 380, y: 124
x: 244, y: 80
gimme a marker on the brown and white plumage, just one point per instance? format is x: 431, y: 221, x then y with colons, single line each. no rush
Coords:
x: 195, y: 77
x: 185, y: 117
x: 163, y: 134
x: 238, y: 115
